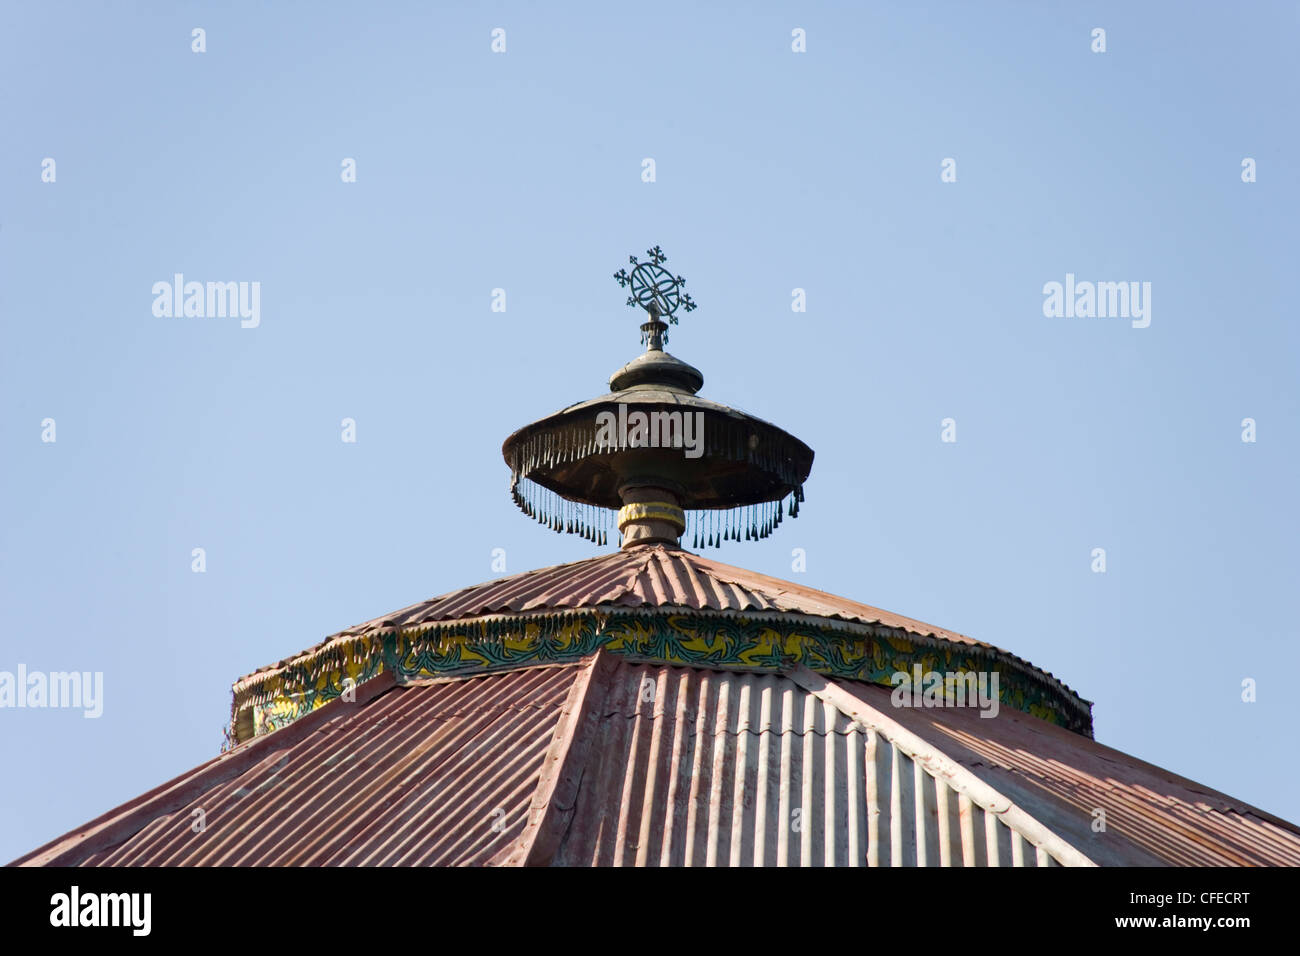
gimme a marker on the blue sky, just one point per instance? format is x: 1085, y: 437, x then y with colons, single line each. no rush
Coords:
x: 774, y: 171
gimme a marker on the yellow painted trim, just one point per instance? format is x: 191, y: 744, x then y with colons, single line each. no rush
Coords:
x: 660, y: 510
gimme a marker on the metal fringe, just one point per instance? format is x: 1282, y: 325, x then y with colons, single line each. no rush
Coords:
x: 571, y: 441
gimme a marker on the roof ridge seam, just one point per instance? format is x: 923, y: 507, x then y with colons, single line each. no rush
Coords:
x: 936, y: 762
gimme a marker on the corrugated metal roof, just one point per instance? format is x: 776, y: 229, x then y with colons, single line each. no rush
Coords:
x: 431, y: 774
x: 1066, y: 777
x: 708, y: 768
x: 649, y: 576
x: 615, y: 762
x: 644, y: 577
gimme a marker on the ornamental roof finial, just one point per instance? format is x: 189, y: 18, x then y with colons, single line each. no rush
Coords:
x: 652, y: 458
x: 656, y: 290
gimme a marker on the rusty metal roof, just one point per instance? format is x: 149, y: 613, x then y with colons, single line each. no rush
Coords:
x: 615, y: 762
x: 648, y: 576
x: 1152, y: 816
x: 427, y: 774
x: 707, y: 768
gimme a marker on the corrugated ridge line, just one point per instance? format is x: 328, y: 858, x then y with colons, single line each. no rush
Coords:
x: 718, y: 764
x: 973, y: 791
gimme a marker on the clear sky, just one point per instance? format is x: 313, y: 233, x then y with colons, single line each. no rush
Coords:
x: 522, y: 170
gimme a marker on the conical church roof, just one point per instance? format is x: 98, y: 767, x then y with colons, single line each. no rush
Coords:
x: 652, y: 580
x: 613, y: 761
x: 654, y: 706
